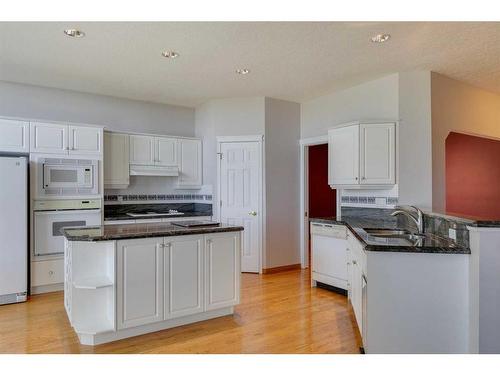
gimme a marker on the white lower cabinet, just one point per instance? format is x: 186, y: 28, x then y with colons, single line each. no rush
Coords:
x: 166, y: 278
x: 183, y: 276
x: 139, y: 282
x: 47, y: 272
x: 222, y: 270
x: 356, y: 272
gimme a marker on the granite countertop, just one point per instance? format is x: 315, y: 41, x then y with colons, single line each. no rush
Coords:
x: 428, y: 244
x: 469, y: 220
x: 129, y: 231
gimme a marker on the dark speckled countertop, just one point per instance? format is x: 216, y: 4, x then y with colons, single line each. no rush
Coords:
x: 129, y: 231
x: 429, y: 244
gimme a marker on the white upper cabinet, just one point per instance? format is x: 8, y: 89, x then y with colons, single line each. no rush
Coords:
x: 142, y: 150
x: 52, y: 138
x: 190, y: 164
x: 85, y: 140
x: 362, y: 155
x: 116, y: 160
x: 148, y: 150
x: 343, y: 155
x: 377, y: 154
x: 166, y: 151
x: 49, y: 138
x: 14, y: 136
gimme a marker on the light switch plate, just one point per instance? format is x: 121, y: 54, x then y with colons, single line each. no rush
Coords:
x: 452, y: 233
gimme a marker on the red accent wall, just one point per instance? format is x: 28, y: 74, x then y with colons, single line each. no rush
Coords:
x: 473, y: 176
x: 322, y: 199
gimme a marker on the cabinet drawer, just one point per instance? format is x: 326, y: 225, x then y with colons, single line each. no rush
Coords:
x: 330, y: 230
x: 47, y: 272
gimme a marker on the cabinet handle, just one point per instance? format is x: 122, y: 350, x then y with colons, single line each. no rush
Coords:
x: 363, y: 178
x: 51, y: 273
x: 356, y: 178
x: 354, y: 262
x: 209, y: 242
x: 253, y: 213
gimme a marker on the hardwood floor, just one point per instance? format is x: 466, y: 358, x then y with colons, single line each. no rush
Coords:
x: 279, y: 313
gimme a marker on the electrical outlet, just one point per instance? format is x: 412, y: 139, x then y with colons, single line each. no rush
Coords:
x: 452, y: 233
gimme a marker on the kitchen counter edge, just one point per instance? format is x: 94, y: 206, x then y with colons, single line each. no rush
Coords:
x: 127, y: 231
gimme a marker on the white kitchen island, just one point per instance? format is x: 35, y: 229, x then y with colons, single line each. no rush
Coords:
x: 128, y: 280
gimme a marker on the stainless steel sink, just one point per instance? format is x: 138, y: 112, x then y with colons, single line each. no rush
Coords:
x: 386, y: 232
x: 394, y: 233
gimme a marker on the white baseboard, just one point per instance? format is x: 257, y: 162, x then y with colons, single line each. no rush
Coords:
x: 47, y: 288
x: 101, y: 338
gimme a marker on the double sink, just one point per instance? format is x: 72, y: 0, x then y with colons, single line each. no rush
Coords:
x: 413, y: 239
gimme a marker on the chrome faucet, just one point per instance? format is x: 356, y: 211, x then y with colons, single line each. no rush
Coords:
x: 419, y: 220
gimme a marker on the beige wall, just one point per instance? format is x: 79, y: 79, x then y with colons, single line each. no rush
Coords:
x: 282, y: 182
x: 45, y: 103
x: 279, y: 122
x: 457, y: 106
x: 415, y: 158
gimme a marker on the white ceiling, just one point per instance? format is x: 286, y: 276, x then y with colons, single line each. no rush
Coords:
x: 288, y: 60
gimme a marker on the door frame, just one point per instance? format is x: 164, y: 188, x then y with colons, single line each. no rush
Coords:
x: 304, y: 144
x: 262, y: 192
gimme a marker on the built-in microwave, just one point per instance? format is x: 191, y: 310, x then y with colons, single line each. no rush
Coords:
x: 64, y: 177
x: 67, y: 176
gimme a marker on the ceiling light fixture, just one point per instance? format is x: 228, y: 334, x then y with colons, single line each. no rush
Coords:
x: 74, y: 33
x: 380, y: 38
x: 243, y: 71
x: 170, y: 54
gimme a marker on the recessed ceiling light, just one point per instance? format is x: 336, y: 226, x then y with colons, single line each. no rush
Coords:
x: 74, y: 33
x: 380, y: 38
x: 170, y: 54
x: 243, y: 71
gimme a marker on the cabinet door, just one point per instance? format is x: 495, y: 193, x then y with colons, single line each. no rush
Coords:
x: 222, y: 270
x: 166, y: 151
x: 183, y: 264
x: 190, y: 168
x: 14, y: 136
x: 116, y: 160
x: 142, y: 150
x: 85, y: 140
x: 48, y: 138
x: 356, y: 292
x: 139, y: 282
x: 377, y: 154
x: 343, y: 156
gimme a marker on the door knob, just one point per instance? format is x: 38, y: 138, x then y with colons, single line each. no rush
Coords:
x: 252, y: 213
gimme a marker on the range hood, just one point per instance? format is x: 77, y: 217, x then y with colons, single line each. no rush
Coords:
x: 153, y: 170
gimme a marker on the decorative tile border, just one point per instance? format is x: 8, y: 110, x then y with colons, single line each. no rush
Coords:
x: 157, y: 197
x: 357, y: 200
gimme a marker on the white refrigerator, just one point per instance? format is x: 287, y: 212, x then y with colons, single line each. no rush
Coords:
x: 13, y: 229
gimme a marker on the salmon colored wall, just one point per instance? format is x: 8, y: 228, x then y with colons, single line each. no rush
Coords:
x: 457, y: 107
x: 473, y: 176
x: 322, y: 199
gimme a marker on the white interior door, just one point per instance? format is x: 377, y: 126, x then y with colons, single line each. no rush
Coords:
x: 240, y: 192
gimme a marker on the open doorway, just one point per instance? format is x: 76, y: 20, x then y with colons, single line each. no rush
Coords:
x: 317, y: 198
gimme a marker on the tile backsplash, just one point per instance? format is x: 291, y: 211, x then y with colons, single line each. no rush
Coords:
x: 156, y: 197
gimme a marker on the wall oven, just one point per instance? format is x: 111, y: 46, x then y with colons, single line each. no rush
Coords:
x: 49, y: 217
x: 63, y: 177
